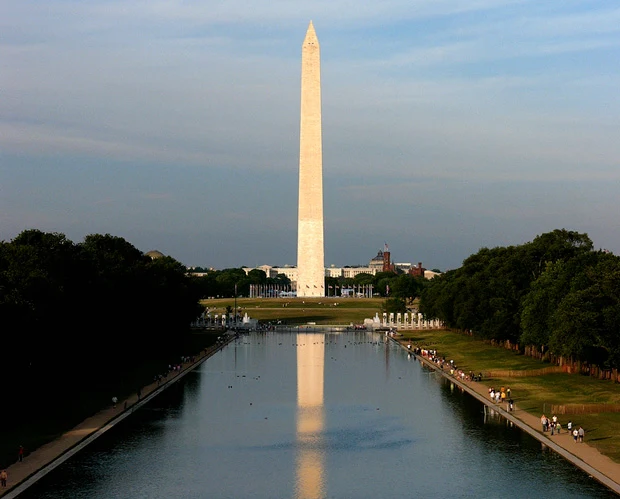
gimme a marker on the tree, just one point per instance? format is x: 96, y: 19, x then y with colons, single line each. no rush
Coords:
x: 282, y: 280
x: 486, y: 294
x: 257, y: 276
x: 227, y: 279
x: 394, y: 305
x: 406, y: 287
x: 363, y: 279
x: 332, y: 286
x: 94, y: 308
x: 383, y: 281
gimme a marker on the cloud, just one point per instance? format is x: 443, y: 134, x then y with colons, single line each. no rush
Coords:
x: 428, y: 108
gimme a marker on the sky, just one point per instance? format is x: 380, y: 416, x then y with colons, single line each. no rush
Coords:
x: 448, y: 125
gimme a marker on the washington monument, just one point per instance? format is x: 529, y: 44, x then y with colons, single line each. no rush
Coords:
x: 310, y: 257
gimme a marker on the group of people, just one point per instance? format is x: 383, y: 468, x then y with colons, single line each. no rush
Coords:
x: 432, y: 355
x: 554, y: 426
x: 502, y: 396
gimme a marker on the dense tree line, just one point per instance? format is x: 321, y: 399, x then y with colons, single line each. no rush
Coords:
x: 77, y: 314
x: 398, y: 289
x: 555, y: 293
x: 221, y: 283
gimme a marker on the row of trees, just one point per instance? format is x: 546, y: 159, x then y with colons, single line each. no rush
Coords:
x: 401, y: 289
x: 555, y: 293
x: 222, y: 283
x: 386, y: 284
x: 91, y: 308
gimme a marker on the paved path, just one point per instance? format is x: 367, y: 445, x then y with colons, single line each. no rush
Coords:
x: 47, y: 457
x: 582, y: 455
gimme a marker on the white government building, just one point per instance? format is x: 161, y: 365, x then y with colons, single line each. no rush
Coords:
x: 290, y: 271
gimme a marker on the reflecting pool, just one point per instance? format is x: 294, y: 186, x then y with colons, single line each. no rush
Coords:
x: 315, y: 415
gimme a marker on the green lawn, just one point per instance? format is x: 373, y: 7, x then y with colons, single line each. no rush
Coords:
x: 534, y: 394
x: 334, y: 311
x: 470, y: 354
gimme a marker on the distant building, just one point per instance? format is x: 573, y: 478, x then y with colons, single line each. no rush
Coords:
x: 380, y: 263
x: 404, y: 267
x: 376, y: 263
x: 417, y: 271
x: 272, y: 272
x: 387, y: 262
x: 154, y: 254
x: 333, y: 271
x: 289, y: 271
x: 351, y: 272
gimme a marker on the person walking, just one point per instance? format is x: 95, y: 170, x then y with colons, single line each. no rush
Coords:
x: 581, y: 434
x: 3, y: 478
x: 575, y: 435
x: 114, y: 401
x: 20, y: 453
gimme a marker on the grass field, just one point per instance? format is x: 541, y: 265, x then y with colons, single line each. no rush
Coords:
x: 534, y: 394
x: 333, y: 311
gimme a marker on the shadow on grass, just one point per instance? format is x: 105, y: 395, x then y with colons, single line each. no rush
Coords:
x: 598, y: 439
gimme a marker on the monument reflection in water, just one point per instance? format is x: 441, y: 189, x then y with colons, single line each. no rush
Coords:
x: 310, y: 416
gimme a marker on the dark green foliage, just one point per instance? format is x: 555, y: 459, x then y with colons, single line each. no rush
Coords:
x: 331, y: 286
x: 394, y: 305
x: 363, y: 279
x: 406, y: 287
x: 221, y: 283
x: 554, y: 293
x: 75, y: 315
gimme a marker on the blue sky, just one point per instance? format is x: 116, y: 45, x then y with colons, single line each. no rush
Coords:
x: 447, y: 125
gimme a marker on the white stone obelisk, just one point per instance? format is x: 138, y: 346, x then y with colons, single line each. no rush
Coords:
x: 310, y: 252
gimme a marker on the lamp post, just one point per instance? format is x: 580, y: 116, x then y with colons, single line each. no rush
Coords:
x: 235, y: 311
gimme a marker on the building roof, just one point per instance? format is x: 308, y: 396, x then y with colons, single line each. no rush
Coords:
x: 154, y: 254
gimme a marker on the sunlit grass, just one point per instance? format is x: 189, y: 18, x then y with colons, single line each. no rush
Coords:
x: 534, y: 394
x: 336, y: 311
x: 471, y: 354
